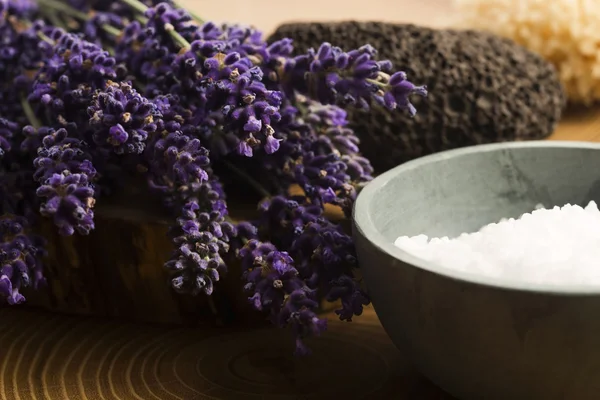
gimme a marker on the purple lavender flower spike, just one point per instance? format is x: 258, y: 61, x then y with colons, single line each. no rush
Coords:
x: 201, y: 238
x: 323, y: 253
x: 121, y: 119
x: 246, y: 230
x: 399, y: 90
x: 65, y: 174
x: 8, y: 293
x: 320, y: 154
x: 270, y: 275
x: 162, y: 14
x: 277, y: 287
x: 177, y: 162
x: 69, y: 201
x: 66, y: 83
x: 7, y: 130
x: 328, y: 254
x: 215, y: 77
x: 298, y: 312
x: 60, y: 152
x: 346, y: 289
x: 93, y: 28
x: 21, y: 53
x: 333, y: 76
x: 20, y: 256
x: 241, y: 102
x: 187, y: 159
x: 286, y: 218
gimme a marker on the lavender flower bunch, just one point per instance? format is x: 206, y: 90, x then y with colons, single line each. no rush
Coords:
x: 20, y: 255
x: 146, y: 87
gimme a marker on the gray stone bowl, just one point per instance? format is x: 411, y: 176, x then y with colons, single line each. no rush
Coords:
x: 474, y: 336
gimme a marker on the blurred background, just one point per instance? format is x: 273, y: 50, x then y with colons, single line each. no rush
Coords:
x: 267, y: 14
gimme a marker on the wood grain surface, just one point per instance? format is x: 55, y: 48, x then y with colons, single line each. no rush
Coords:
x: 46, y: 356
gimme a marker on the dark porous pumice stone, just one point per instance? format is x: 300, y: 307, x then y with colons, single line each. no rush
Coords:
x: 482, y: 88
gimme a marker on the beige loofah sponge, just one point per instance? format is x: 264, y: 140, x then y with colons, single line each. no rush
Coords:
x: 565, y: 32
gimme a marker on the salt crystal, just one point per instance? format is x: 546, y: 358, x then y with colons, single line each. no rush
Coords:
x: 552, y: 246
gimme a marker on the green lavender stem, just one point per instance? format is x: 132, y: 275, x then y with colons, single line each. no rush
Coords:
x: 45, y: 38
x: 70, y: 11
x: 141, y: 8
x: 136, y: 5
x: 378, y: 83
x: 65, y: 8
x: 33, y: 120
x: 111, y: 30
x: 180, y: 40
x: 54, y: 19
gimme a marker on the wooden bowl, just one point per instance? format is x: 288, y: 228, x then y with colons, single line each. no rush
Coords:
x: 117, y: 271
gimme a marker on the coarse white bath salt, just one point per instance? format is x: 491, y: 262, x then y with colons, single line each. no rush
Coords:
x: 553, y: 246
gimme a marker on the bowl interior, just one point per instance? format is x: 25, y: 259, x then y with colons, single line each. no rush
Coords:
x: 462, y: 190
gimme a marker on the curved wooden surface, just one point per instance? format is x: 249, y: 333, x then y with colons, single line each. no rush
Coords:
x: 46, y: 356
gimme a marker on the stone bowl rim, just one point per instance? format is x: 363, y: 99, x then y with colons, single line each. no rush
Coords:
x: 365, y: 227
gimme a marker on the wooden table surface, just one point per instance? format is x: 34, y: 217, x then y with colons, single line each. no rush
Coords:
x: 46, y: 356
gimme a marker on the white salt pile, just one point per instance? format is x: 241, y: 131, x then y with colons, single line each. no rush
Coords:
x: 554, y: 246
